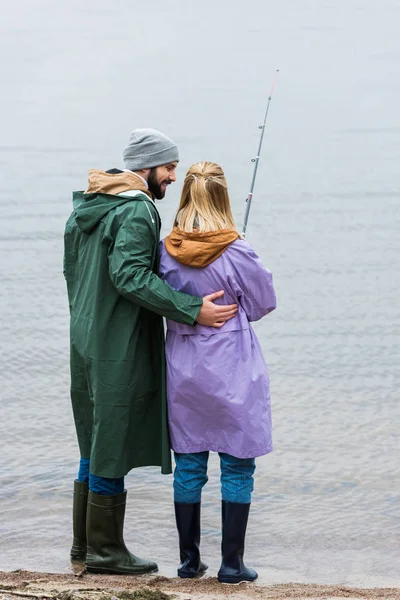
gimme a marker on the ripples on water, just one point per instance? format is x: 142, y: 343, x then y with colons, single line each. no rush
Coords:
x: 325, y: 220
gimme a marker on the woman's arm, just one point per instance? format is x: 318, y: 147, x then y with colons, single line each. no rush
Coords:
x: 252, y: 282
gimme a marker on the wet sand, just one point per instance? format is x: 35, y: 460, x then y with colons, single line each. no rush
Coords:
x: 83, y: 586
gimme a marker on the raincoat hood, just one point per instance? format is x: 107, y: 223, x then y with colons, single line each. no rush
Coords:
x: 105, y: 191
x: 198, y: 249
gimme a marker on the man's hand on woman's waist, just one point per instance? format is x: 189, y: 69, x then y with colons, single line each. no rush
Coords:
x: 215, y: 315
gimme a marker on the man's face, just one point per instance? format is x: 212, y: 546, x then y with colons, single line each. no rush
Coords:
x: 160, y: 178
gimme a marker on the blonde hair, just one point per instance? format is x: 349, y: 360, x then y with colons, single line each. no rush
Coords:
x: 205, y: 204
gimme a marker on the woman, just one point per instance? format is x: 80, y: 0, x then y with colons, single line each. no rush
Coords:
x: 217, y: 380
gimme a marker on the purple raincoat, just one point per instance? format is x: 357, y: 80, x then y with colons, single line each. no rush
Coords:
x: 217, y: 379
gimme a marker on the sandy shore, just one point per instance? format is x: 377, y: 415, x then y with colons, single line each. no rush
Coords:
x: 82, y: 586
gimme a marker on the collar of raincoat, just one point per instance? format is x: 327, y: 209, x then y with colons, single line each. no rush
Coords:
x: 105, y: 192
x: 198, y: 249
x: 114, y: 184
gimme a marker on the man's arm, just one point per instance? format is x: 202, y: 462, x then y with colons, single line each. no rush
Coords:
x: 130, y: 270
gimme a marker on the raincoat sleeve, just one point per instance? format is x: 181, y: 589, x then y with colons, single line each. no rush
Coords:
x: 131, y: 260
x: 252, y: 282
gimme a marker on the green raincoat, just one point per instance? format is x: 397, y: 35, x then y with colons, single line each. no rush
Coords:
x: 117, y: 355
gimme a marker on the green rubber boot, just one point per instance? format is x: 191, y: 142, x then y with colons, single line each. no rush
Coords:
x: 79, y: 508
x: 106, y: 550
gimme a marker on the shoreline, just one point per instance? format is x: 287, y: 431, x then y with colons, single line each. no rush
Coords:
x: 84, y: 586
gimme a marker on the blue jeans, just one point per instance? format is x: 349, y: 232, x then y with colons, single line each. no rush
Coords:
x: 104, y: 486
x: 190, y: 476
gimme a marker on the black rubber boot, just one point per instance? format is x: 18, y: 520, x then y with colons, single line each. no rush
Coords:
x: 78, y: 550
x: 188, y: 524
x: 234, y: 524
x: 106, y: 550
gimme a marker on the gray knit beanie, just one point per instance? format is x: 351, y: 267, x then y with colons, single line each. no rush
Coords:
x: 149, y: 148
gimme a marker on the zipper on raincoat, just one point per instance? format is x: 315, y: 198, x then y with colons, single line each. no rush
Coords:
x: 151, y: 216
x: 133, y: 194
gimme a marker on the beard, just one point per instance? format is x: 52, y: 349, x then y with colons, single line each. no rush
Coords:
x: 154, y: 186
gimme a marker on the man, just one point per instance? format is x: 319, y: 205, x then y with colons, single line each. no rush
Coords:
x: 116, y: 305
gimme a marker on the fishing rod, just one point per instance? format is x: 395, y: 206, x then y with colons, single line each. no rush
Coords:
x: 256, y: 160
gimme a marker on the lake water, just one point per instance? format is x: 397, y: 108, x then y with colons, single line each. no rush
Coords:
x: 76, y: 78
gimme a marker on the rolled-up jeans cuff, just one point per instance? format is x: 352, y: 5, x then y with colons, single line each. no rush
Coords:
x: 84, y: 469
x: 106, y: 486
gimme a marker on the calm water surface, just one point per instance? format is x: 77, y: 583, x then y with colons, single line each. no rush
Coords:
x: 76, y: 78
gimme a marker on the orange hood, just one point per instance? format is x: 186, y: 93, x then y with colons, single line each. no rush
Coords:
x: 198, y: 249
x: 101, y: 182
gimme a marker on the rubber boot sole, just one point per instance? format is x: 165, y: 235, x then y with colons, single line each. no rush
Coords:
x: 78, y: 557
x: 235, y: 580
x: 106, y: 571
x: 78, y: 553
x: 190, y: 574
